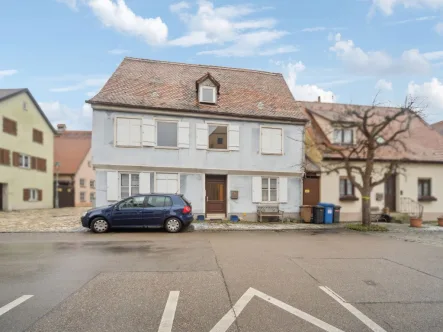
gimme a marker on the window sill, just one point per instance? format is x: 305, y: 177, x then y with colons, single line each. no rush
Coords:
x: 167, y: 147
x: 219, y: 150
x: 271, y: 154
x: 348, y: 198
x: 427, y: 199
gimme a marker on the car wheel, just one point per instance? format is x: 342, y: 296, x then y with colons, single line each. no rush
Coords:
x: 173, y: 225
x: 99, y: 225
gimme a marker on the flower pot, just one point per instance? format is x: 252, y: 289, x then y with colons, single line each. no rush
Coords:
x: 415, y: 222
x: 440, y: 222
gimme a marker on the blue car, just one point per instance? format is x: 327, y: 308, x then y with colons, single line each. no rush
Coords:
x: 170, y: 211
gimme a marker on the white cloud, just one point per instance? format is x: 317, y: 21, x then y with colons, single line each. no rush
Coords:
x: 89, y: 82
x: 439, y: 28
x: 432, y: 93
x: 314, y: 29
x: 179, y: 6
x: 383, y: 85
x: 416, y: 19
x: 74, y: 118
x: 70, y: 3
x: 433, y: 55
x: 387, y: 6
x: 373, y: 62
x: 119, y: 16
x: 118, y: 51
x: 91, y: 93
x: 279, y: 50
x: 8, y: 72
x: 306, y: 92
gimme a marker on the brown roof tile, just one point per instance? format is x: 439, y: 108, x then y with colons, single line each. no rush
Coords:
x: 438, y: 126
x: 168, y: 85
x: 423, y: 142
x: 70, y: 149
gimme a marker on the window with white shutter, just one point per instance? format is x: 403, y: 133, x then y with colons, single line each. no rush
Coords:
x: 234, y: 138
x: 271, y: 140
x: 167, y: 134
x: 129, y: 184
x: 148, y: 132
x: 183, y: 134
x: 167, y: 183
x: 201, y: 135
x: 128, y: 132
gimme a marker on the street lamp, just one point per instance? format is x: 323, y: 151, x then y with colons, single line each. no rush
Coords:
x: 57, y: 167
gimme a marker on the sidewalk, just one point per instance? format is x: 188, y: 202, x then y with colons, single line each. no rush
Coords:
x: 257, y: 226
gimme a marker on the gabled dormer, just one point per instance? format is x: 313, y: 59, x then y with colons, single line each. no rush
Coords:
x: 207, y: 89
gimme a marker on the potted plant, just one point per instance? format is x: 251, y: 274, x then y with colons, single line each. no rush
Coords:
x: 440, y: 221
x: 415, y: 221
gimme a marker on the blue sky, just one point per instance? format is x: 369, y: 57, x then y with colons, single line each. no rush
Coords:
x: 345, y: 51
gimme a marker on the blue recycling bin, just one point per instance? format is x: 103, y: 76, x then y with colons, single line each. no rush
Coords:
x: 329, y: 212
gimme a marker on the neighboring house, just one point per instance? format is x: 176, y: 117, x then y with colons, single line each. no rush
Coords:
x: 419, y: 182
x: 26, y: 152
x: 73, y: 168
x: 228, y: 139
x: 438, y: 126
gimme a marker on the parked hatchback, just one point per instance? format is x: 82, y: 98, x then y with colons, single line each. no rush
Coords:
x: 170, y: 211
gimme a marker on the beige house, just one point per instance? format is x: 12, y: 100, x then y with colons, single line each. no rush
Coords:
x: 74, y: 175
x: 26, y: 152
x: 416, y: 186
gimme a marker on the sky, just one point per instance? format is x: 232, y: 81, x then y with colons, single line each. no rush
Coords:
x: 345, y: 51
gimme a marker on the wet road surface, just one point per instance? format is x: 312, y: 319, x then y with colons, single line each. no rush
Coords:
x: 275, y: 281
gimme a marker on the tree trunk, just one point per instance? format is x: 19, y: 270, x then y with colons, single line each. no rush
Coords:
x: 366, y: 208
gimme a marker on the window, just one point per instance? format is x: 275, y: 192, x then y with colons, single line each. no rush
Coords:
x: 208, y: 94
x: 218, y: 137
x: 167, y: 134
x: 167, y: 183
x: 40, y: 164
x: 128, y: 132
x: 133, y: 202
x: 343, y: 136
x: 92, y: 184
x: 37, y: 136
x: 82, y: 183
x: 25, y: 161
x: 346, y: 187
x: 424, y: 188
x: 269, y: 189
x: 9, y: 126
x: 271, y: 140
x: 82, y: 196
x: 159, y: 201
x: 32, y: 195
x: 92, y: 197
x: 129, y: 185
x: 5, y: 157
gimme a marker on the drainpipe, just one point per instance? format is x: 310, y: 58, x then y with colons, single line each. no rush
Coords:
x: 57, y: 167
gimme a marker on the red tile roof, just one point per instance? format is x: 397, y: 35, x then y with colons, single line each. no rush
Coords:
x: 70, y: 149
x: 422, y: 141
x: 438, y: 126
x: 172, y: 86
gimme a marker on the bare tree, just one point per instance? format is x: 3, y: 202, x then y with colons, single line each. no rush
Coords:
x: 378, y: 148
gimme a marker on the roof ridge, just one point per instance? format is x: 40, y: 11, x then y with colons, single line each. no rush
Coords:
x: 360, y: 105
x: 204, y: 66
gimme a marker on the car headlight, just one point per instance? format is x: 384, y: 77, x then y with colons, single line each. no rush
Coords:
x: 84, y: 213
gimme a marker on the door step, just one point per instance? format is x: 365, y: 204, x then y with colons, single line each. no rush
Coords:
x: 216, y: 216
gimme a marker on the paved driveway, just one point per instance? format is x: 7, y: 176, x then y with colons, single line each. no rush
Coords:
x: 331, y: 280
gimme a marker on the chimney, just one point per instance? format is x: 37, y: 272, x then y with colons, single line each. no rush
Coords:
x: 319, y: 99
x: 61, y: 127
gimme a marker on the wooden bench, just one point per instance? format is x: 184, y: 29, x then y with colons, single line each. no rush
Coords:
x: 269, y: 210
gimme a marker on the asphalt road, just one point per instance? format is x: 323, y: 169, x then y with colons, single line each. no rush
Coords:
x: 275, y: 281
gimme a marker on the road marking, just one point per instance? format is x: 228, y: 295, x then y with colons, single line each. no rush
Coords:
x: 353, y: 310
x: 14, y: 303
x: 227, y: 320
x: 169, y: 313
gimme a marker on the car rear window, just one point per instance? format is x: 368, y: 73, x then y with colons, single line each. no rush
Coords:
x: 187, y: 202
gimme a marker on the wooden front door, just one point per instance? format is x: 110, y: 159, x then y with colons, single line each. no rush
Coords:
x: 311, y: 190
x: 215, y: 194
x: 66, y: 194
x: 390, y: 193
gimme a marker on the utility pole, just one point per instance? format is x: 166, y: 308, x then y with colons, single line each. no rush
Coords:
x: 57, y: 167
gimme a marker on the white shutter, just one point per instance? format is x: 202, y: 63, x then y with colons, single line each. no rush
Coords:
x: 202, y: 136
x: 135, y: 132
x: 283, y: 190
x: 112, y: 186
x: 234, y: 138
x: 167, y: 183
x: 183, y: 135
x: 122, y: 132
x: 278, y: 141
x: 148, y: 134
x: 271, y: 140
x: 145, y: 183
x: 256, y: 189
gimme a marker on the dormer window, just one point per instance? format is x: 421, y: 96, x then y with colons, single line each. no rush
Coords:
x: 343, y: 136
x: 208, y: 94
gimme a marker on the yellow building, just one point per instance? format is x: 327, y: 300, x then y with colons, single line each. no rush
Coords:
x: 26, y: 152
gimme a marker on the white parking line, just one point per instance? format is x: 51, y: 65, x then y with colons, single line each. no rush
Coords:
x: 353, y: 310
x: 169, y: 312
x: 224, y: 323
x: 14, y: 303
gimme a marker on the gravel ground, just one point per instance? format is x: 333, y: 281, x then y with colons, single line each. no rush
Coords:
x: 43, y: 220
x: 430, y: 234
